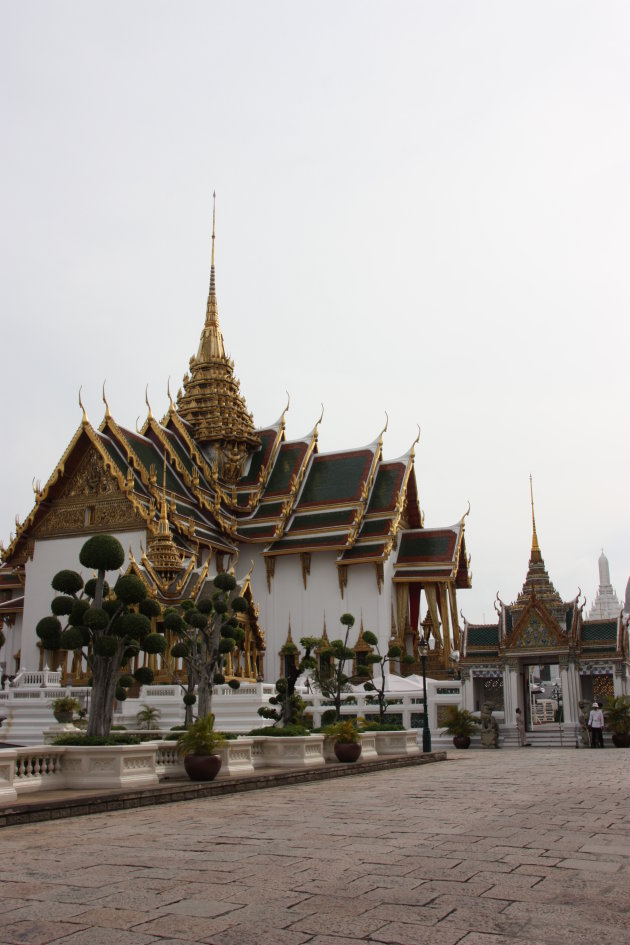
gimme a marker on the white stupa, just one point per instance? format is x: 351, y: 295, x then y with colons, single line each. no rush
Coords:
x: 606, y: 606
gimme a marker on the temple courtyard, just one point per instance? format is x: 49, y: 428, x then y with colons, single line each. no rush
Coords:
x: 488, y: 848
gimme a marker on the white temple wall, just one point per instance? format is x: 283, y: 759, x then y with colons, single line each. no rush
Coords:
x: 307, y: 608
x: 49, y: 556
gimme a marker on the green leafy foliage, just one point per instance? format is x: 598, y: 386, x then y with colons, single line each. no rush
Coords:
x: 105, y: 646
x: 282, y: 731
x: 150, y: 607
x: 90, y: 588
x: 97, y: 740
x: 154, y: 643
x: 200, y: 738
x: 95, y: 618
x: 71, y: 639
x: 344, y: 731
x: 144, y: 675
x: 225, y: 581
x: 67, y: 582
x: 103, y: 553
x: 62, y: 606
x: 129, y: 589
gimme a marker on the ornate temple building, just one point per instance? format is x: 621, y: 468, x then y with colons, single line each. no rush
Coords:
x: 539, y: 630
x: 310, y: 535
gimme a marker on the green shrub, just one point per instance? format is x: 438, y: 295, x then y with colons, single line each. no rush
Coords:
x: 103, y: 553
x: 286, y: 731
x: 67, y: 582
x: 95, y: 740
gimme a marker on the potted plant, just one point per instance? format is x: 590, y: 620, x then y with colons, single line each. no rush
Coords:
x: 461, y: 724
x: 617, y: 716
x: 345, y: 737
x: 64, y: 708
x: 198, y: 745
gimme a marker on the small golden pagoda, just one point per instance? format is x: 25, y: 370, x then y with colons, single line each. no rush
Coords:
x: 211, y: 401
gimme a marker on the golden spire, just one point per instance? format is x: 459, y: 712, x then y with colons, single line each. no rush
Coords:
x: 535, y: 555
x: 211, y: 401
x: 211, y: 342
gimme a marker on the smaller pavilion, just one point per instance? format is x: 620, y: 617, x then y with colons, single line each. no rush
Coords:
x: 540, y: 630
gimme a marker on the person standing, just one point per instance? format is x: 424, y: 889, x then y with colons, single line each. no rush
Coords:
x: 596, y: 726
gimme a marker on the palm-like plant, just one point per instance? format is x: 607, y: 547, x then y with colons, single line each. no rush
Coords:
x: 617, y: 716
x: 460, y: 723
x: 200, y: 738
x: 148, y: 717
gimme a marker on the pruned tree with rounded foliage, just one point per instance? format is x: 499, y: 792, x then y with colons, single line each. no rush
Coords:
x: 208, y: 632
x: 287, y: 706
x: 383, y: 660
x: 107, y: 627
x: 333, y: 682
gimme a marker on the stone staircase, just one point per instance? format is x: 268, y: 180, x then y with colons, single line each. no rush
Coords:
x: 545, y: 736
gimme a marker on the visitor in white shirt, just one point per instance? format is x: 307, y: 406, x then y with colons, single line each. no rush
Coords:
x: 596, y: 726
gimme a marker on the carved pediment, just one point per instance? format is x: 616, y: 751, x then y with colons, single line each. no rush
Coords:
x: 537, y: 630
x: 90, y: 478
x: 90, y: 500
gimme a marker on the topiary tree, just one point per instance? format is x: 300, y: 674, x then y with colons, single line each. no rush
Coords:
x: 288, y: 706
x: 333, y: 682
x: 383, y: 660
x: 106, y: 627
x: 208, y: 632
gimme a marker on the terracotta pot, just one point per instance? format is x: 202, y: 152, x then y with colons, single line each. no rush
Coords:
x: 63, y: 717
x: 347, y: 752
x: 202, y: 767
x: 461, y: 741
x: 621, y: 741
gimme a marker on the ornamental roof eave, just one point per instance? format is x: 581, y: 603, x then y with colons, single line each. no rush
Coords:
x: 433, y: 555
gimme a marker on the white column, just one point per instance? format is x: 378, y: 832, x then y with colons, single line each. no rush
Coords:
x: 570, y: 684
x: 510, y: 691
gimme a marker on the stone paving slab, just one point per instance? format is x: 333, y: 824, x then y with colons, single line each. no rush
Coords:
x: 485, y: 849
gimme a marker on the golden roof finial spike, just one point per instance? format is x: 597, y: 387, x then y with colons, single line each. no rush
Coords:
x: 146, y: 397
x: 107, y: 413
x: 84, y: 418
x: 535, y: 546
x: 213, y: 290
x: 170, y: 399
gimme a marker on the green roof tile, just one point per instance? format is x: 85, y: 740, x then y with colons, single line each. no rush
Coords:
x: 314, y: 520
x: 336, y: 478
x: 386, y: 488
x: 604, y: 630
x: 287, y: 464
x: 483, y: 635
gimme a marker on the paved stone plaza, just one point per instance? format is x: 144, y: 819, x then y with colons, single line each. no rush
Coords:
x: 488, y: 848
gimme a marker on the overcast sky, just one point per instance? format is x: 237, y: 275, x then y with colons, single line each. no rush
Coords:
x: 422, y: 208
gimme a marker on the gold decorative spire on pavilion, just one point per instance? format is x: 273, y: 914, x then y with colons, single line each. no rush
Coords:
x: 211, y: 401
x: 162, y: 551
x: 537, y: 581
x: 535, y: 553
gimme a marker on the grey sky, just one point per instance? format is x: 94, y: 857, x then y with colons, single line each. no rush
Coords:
x: 421, y: 208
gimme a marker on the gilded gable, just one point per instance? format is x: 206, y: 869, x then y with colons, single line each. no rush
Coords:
x: 91, y: 500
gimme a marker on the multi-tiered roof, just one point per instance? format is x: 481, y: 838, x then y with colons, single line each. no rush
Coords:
x: 203, y: 479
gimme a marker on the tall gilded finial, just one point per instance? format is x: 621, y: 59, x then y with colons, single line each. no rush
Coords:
x: 212, y: 284
x: 84, y: 418
x: 535, y: 555
x: 107, y: 413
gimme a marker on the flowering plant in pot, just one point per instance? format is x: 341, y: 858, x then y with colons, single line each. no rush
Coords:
x: 198, y: 745
x: 345, y: 737
x: 617, y: 716
x: 64, y: 708
x: 461, y: 724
